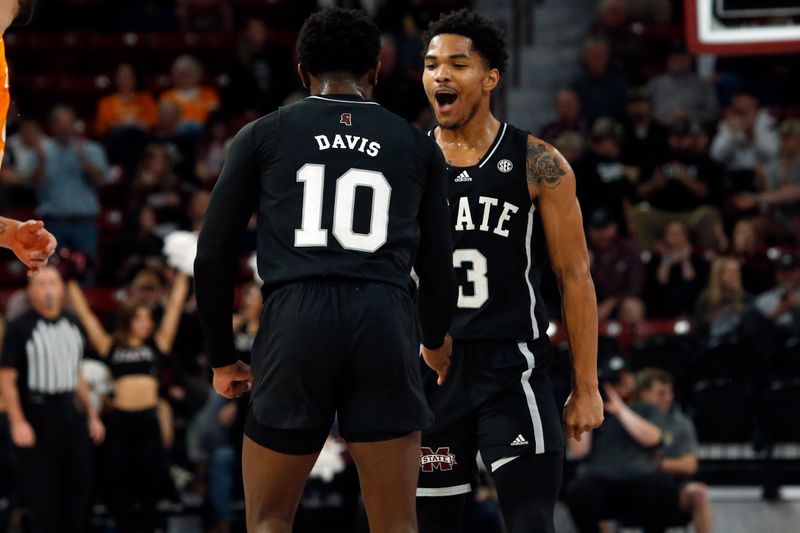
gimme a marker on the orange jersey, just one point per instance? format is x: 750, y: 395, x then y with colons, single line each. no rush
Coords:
x: 114, y: 111
x: 5, y: 98
x: 194, y: 109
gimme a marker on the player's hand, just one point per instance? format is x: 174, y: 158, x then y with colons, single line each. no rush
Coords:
x: 33, y: 244
x: 97, y: 431
x: 23, y: 435
x: 583, y: 412
x: 233, y: 380
x: 439, y: 359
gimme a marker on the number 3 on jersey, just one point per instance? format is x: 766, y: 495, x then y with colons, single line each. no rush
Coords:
x: 477, y: 269
x: 311, y: 233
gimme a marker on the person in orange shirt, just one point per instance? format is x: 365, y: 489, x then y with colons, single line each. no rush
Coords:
x: 196, y: 102
x: 127, y: 107
x: 31, y: 243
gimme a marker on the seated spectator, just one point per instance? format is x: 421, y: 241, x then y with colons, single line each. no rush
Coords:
x: 211, y: 150
x: 23, y: 165
x: 182, y: 146
x: 568, y: 117
x: 74, y: 168
x: 722, y: 305
x: 628, y: 48
x: 645, y: 140
x: 194, y: 101
x: 143, y: 246
x: 680, y: 93
x: 196, y: 209
x: 780, y: 192
x: 618, y: 476
x: 746, y: 137
x: 601, y: 93
x: 604, y: 180
x: 781, y: 305
x: 157, y: 186
x: 397, y: 91
x: 678, y: 455
x: 263, y: 74
x: 204, y: 15
x: 676, y: 275
x: 617, y: 270
x: 127, y: 107
x: 684, y: 186
x: 571, y: 146
x: 747, y: 245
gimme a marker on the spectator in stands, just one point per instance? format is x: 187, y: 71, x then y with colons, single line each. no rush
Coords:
x: 211, y: 149
x: 617, y: 269
x: 604, y: 180
x: 780, y: 191
x: 628, y: 49
x: 127, y: 107
x: 23, y: 165
x: 74, y: 169
x: 135, y: 353
x: 194, y: 101
x: 781, y: 305
x: 204, y: 15
x: 645, y: 140
x: 568, y: 117
x: 722, y: 305
x: 40, y: 382
x: 263, y: 74
x: 678, y: 455
x: 746, y: 137
x: 397, y: 91
x: 196, y: 209
x: 157, y: 186
x: 143, y: 245
x: 747, y: 245
x: 182, y: 146
x: 676, y: 275
x: 571, y: 146
x: 618, y: 476
x: 680, y: 93
x: 686, y: 186
x: 602, y: 94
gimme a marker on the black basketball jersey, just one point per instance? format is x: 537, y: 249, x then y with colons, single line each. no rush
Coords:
x: 498, y: 245
x: 344, y: 190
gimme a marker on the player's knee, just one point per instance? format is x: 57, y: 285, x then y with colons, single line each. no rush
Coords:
x: 262, y: 520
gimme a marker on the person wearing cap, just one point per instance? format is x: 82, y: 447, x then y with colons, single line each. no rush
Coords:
x: 568, y: 117
x: 616, y: 267
x: 679, y: 92
x: 781, y: 305
x: 746, y: 137
x: 619, y: 476
x: 780, y: 194
x: 686, y: 185
x: 604, y: 180
x: 645, y: 138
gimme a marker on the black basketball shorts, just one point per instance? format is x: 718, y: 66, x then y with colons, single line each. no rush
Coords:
x: 496, y: 399
x: 345, y: 349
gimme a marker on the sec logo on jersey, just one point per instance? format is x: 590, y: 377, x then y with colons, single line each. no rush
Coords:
x: 505, y: 166
x: 347, y: 119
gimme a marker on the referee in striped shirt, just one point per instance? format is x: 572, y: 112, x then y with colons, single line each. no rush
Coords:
x: 40, y: 381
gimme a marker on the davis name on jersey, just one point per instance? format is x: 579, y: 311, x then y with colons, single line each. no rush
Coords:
x: 354, y: 142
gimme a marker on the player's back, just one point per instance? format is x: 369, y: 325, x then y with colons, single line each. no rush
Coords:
x: 342, y: 180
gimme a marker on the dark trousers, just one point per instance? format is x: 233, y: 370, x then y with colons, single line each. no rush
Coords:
x: 134, y: 468
x: 650, y: 501
x: 55, y: 475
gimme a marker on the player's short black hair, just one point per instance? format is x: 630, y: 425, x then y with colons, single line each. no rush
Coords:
x: 486, y: 36
x: 339, y: 41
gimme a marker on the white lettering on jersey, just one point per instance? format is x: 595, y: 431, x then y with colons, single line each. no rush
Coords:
x: 487, y: 204
x: 323, y: 142
x: 504, y: 216
x: 354, y: 142
x: 464, y: 219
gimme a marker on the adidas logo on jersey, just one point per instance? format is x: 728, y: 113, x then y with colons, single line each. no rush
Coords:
x: 519, y: 441
x: 461, y: 178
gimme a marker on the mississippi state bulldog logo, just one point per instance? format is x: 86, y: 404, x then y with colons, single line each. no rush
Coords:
x: 441, y: 459
x: 347, y: 119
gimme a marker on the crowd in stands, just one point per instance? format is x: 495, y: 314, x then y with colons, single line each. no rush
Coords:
x: 688, y: 177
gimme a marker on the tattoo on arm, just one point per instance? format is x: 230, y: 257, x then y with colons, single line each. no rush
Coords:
x: 543, y: 167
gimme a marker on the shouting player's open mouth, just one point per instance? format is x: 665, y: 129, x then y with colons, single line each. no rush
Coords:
x: 445, y: 100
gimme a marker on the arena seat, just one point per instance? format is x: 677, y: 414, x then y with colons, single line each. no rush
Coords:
x: 722, y: 411
x: 780, y: 410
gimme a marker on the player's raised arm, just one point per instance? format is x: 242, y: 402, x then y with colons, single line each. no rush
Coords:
x: 551, y: 183
x: 232, y: 202
x: 438, y: 290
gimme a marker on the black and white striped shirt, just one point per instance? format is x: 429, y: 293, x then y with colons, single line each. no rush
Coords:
x: 46, y: 353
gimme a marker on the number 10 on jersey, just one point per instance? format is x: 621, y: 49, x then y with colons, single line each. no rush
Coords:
x: 311, y: 233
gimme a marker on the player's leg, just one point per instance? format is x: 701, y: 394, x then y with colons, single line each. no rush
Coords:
x: 441, y: 514
x: 388, y: 473
x: 274, y: 481
x: 588, y: 500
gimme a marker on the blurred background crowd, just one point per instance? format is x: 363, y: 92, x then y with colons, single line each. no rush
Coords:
x: 688, y: 174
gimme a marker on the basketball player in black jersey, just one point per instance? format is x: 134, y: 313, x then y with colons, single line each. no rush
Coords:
x: 349, y: 197
x: 514, y: 213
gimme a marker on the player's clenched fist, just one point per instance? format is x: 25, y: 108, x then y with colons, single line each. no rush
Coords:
x: 583, y: 412
x: 31, y: 243
x: 439, y: 359
x: 233, y: 380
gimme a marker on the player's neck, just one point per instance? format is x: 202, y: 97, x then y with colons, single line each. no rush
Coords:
x: 330, y: 86
x: 479, y: 130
